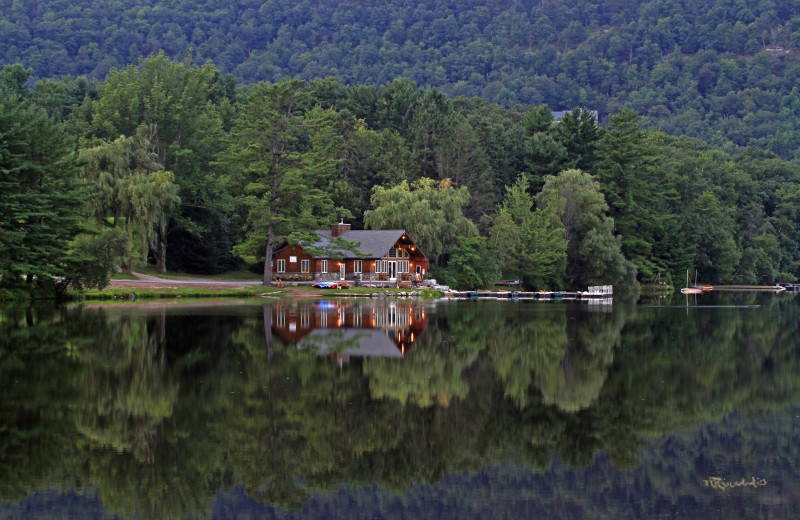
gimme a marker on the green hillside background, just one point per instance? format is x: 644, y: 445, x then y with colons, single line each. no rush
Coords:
x: 725, y: 71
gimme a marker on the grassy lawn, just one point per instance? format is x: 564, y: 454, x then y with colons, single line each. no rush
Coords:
x: 122, y: 276
x: 116, y: 293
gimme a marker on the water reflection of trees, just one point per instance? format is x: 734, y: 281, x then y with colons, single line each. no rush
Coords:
x: 156, y: 420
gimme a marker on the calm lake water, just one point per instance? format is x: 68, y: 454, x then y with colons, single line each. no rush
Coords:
x: 680, y: 408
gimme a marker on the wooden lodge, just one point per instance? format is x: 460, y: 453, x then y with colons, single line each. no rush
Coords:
x: 364, y: 256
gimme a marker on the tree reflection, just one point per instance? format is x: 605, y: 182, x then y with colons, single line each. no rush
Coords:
x: 127, y: 404
x: 129, y: 388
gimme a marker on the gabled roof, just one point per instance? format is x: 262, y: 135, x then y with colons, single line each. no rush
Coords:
x: 374, y: 243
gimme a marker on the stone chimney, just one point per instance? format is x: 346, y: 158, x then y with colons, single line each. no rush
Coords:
x: 338, y: 229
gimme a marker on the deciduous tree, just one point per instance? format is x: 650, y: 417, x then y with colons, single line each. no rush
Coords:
x: 430, y: 211
x: 592, y: 251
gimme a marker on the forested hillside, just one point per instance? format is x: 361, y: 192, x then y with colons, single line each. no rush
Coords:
x: 175, y: 165
x: 723, y: 70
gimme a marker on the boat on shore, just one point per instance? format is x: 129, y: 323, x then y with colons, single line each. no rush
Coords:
x: 691, y: 290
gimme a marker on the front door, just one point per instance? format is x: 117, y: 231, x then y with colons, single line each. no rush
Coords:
x: 341, y: 271
x: 392, y: 270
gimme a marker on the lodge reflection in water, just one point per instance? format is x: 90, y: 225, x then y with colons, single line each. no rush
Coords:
x: 344, y: 329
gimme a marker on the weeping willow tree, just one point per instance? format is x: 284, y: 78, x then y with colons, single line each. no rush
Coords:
x: 132, y: 190
x: 430, y: 211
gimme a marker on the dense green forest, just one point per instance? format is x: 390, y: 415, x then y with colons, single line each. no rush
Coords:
x: 116, y: 403
x: 725, y: 70
x: 173, y: 164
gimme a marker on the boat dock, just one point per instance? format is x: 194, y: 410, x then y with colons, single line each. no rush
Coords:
x: 737, y: 288
x: 598, y: 294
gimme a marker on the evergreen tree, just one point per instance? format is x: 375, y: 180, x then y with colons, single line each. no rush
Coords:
x: 280, y: 176
x: 637, y: 201
x: 578, y: 133
x: 529, y: 242
x: 40, y: 197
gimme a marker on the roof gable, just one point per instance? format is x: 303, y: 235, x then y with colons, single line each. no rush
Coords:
x: 374, y: 243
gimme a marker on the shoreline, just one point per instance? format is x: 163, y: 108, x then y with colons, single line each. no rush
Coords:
x: 152, y: 287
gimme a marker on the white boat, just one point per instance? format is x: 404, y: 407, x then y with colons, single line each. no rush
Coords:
x: 690, y: 290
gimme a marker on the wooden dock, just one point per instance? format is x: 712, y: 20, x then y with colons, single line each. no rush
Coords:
x: 600, y: 294
x: 736, y: 288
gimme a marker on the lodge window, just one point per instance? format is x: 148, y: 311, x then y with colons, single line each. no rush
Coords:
x: 357, y: 266
x: 281, y: 266
x: 323, y: 266
x: 303, y: 266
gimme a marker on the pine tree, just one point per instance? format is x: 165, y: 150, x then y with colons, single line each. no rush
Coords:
x: 528, y: 241
x: 40, y: 197
x: 280, y: 174
x: 636, y: 200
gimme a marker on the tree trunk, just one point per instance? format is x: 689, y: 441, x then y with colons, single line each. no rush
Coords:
x: 161, y: 251
x: 268, y: 254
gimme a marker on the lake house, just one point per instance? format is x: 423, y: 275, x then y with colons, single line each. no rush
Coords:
x: 343, y: 254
